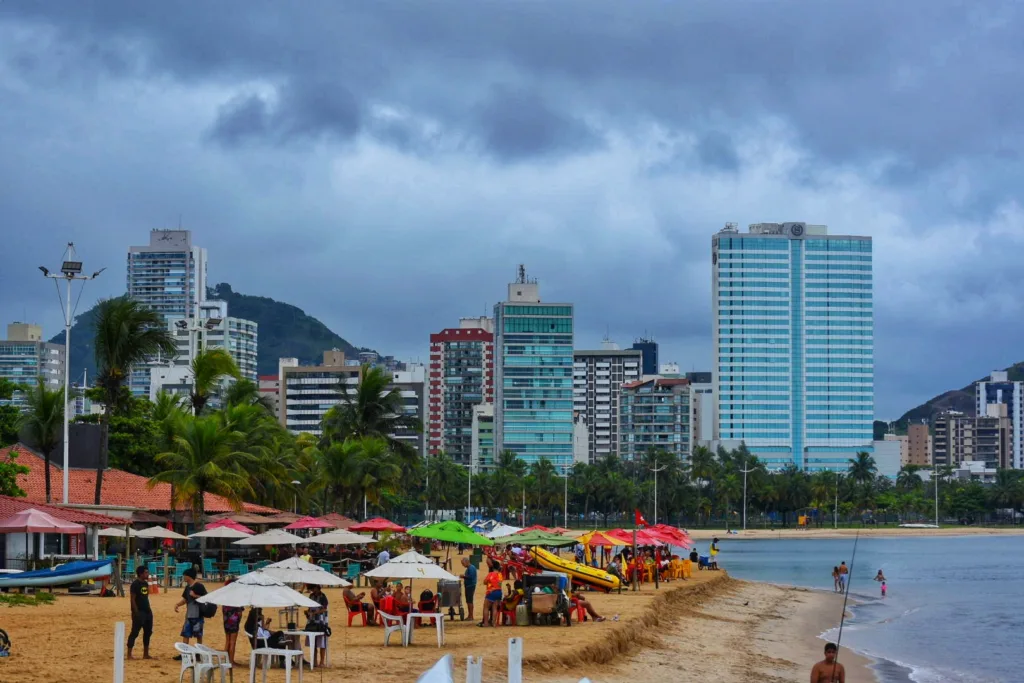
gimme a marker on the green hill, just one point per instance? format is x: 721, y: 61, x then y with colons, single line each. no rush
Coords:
x: 285, y: 331
x: 961, y: 400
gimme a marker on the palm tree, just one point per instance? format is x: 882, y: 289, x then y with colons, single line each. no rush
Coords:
x: 209, y: 369
x: 127, y: 334
x: 205, y: 459
x: 1008, y: 490
x: 44, y: 421
x: 375, y: 409
x: 247, y: 392
x: 908, y: 479
x: 862, y: 468
x: 378, y: 468
x: 543, y: 474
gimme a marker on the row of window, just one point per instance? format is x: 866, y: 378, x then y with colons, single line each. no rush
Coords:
x: 533, y: 309
x: 538, y: 372
x: 545, y: 404
x: 538, y: 350
x: 538, y: 325
x: 534, y: 383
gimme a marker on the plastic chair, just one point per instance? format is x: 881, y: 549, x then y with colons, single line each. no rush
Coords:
x: 191, y: 658
x: 219, y: 661
x: 581, y: 612
x: 179, y: 571
x: 392, y: 624
x: 326, y: 566
x: 154, y: 568
x: 209, y: 570
x: 352, y: 573
x: 237, y: 567
x: 359, y: 611
x: 129, y: 567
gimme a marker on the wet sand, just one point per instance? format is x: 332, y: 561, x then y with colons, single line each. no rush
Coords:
x: 709, y: 628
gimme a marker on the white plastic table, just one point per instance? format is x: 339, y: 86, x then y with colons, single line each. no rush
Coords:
x: 267, y: 653
x: 310, y: 637
x: 438, y: 618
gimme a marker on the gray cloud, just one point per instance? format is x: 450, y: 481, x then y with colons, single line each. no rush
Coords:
x: 386, y: 165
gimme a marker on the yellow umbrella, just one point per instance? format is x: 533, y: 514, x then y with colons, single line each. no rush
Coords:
x: 596, y: 538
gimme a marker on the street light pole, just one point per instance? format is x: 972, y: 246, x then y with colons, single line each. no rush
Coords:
x: 935, y: 476
x: 70, y: 270
x: 469, y: 493
x: 656, y: 470
x: 745, y: 471
x: 296, y: 483
x: 835, y: 510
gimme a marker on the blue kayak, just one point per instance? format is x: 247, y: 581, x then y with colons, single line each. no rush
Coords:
x: 72, y: 572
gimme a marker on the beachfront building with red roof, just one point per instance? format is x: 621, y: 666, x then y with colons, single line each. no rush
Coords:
x: 655, y: 413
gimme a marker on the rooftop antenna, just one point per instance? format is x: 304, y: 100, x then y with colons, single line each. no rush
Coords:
x: 521, y: 274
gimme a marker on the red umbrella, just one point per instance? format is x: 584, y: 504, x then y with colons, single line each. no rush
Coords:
x: 642, y: 537
x: 535, y: 527
x: 671, y: 534
x: 376, y: 524
x: 310, y: 523
x: 32, y: 521
x: 229, y: 523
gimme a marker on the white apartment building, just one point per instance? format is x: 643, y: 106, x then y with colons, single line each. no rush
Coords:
x: 597, y: 381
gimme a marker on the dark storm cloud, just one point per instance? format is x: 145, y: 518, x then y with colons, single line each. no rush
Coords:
x: 384, y: 165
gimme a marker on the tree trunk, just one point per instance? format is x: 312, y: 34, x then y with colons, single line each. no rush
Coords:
x: 101, y: 464
x: 47, y: 456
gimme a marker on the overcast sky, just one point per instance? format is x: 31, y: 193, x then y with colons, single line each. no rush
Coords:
x: 385, y: 165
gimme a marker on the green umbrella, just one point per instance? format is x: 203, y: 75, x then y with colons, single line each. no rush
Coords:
x: 451, y: 532
x: 537, y: 537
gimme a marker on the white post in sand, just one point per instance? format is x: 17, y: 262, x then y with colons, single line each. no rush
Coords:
x: 515, y: 660
x: 119, y: 652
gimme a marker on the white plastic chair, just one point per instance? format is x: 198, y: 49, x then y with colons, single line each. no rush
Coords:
x: 392, y: 624
x: 257, y: 643
x: 219, y: 660
x: 191, y: 658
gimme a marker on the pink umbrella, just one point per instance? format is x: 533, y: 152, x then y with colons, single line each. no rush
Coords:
x: 229, y: 523
x: 377, y: 524
x: 309, y: 523
x: 32, y: 521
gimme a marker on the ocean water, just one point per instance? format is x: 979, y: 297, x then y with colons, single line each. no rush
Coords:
x: 954, y: 612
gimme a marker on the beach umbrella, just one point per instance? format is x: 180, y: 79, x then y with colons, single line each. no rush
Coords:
x: 242, y: 517
x: 502, y: 530
x: 160, y: 532
x: 339, y: 537
x: 33, y: 521
x: 411, y: 565
x: 229, y: 523
x: 272, y: 537
x: 377, y: 524
x: 596, y: 538
x: 537, y: 538
x: 670, y: 535
x: 116, y: 532
x: 451, y: 532
x: 535, y: 527
x: 309, y: 523
x: 642, y: 537
x: 257, y: 589
x: 282, y: 518
x: 296, y: 570
x: 220, y: 532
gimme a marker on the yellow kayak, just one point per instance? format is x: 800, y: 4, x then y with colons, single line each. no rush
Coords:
x: 591, y: 576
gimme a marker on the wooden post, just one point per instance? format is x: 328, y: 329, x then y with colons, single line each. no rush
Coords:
x: 515, y: 660
x: 119, y: 652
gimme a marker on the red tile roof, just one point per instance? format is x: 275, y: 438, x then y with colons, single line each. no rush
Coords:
x: 120, y: 488
x: 11, y: 506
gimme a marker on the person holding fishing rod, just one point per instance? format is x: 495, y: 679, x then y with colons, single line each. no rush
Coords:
x: 829, y: 670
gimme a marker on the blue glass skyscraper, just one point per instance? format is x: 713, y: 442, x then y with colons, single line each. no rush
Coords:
x: 533, y: 348
x: 793, y: 333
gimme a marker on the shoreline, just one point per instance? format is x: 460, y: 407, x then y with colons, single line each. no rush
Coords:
x: 885, y: 532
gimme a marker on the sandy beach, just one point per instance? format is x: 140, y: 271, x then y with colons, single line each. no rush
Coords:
x: 703, y: 627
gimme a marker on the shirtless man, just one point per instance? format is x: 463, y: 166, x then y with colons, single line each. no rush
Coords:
x: 829, y: 670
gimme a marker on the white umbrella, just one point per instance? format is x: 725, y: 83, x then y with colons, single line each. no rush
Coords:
x: 411, y: 565
x: 220, y: 532
x: 502, y: 530
x: 257, y: 589
x: 160, y: 532
x: 340, y: 537
x: 296, y: 570
x: 272, y: 537
x: 116, y: 532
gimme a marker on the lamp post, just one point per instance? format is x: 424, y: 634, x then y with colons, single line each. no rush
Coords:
x: 565, y: 500
x: 469, y: 492
x: 935, y: 475
x: 296, y: 483
x: 835, y: 510
x: 656, y: 470
x: 70, y: 270
x: 745, y: 471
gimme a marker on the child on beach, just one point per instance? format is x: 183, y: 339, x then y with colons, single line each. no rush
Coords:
x: 835, y: 579
x: 880, y: 577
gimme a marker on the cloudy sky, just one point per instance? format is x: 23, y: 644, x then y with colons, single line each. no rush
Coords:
x: 385, y: 165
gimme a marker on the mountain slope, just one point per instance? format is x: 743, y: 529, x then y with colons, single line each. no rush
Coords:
x: 957, y: 399
x: 285, y: 331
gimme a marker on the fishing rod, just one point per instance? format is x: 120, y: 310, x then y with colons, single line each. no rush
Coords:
x: 846, y: 598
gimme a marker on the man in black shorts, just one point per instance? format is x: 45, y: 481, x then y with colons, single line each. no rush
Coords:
x: 142, y: 613
x: 469, y: 580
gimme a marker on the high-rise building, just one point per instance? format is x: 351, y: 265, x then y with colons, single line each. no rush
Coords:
x: 461, y: 377
x: 655, y: 413
x: 533, y: 375
x: 703, y: 409
x: 270, y: 389
x: 919, y: 445
x: 793, y: 334
x: 411, y: 384
x: 168, y: 276
x: 24, y: 357
x: 962, y: 438
x: 482, y: 451
x: 999, y: 390
x: 597, y: 380
x: 649, y: 349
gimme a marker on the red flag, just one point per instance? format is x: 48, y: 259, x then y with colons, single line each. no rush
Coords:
x: 640, y: 521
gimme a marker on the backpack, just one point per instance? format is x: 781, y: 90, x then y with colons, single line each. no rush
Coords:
x: 207, y: 610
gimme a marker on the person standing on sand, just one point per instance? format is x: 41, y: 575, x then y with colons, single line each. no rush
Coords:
x: 193, y: 627
x: 142, y: 613
x: 835, y: 579
x: 469, y: 581
x: 829, y: 670
x: 843, y: 571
